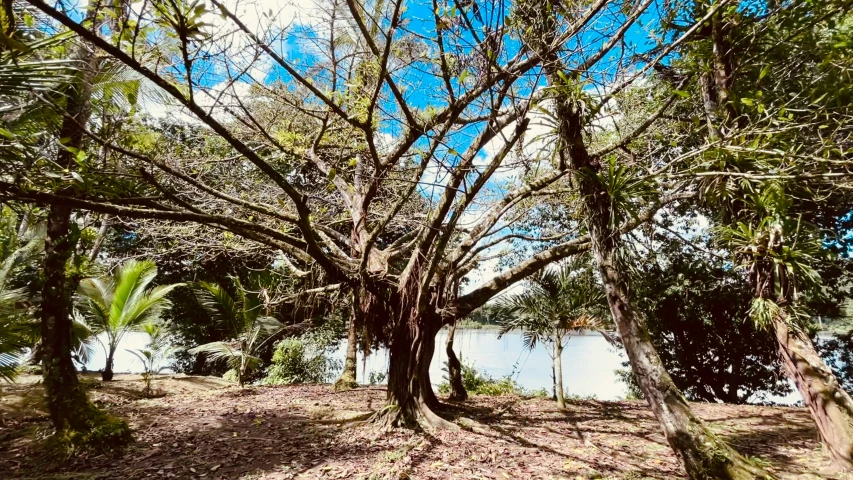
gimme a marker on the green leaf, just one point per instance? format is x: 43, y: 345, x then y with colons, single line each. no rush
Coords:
x: 747, y: 101
x: 463, y: 75
x: 681, y: 93
x: 332, y: 174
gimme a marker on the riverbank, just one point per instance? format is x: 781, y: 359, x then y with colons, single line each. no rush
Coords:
x: 203, y: 427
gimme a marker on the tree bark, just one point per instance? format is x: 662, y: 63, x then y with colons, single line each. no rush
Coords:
x: 107, y: 373
x: 410, y: 398
x: 830, y: 406
x: 347, y: 379
x: 554, y: 378
x: 703, y: 454
x: 102, y: 235
x: 558, y: 362
x: 454, y: 368
x: 67, y: 401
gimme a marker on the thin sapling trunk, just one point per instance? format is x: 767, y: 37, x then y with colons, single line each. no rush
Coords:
x: 558, y: 363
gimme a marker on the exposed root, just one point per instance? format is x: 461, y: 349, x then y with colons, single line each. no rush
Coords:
x: 392, y: 416
x: 344, y: 384
x: 429, y: 419
x: 473, y: 426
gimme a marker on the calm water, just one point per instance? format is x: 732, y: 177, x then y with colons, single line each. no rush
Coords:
x: 589, y: 362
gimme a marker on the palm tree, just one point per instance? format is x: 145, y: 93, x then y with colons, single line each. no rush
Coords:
x: 244, y: 323
x: 18, y: 246
x: 13, y: 339
x: 122, y: 303
x: 555, y: 304
x: 155, y: 353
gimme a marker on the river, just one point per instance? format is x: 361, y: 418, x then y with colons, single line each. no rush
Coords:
x: 589, y: 362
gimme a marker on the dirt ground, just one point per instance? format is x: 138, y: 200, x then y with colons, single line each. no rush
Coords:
x: 205, y: 428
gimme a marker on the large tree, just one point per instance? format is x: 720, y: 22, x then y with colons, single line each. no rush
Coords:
x: 775, y: 89
x: 409, y: 111
x: 607, y: 192
x: 49, y: 102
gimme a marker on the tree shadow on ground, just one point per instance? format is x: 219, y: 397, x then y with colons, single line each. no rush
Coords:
x: 780, y: 438
x: 219, y: 441
x: 313, y: 432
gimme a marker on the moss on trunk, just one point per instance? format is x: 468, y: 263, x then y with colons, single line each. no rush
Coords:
x: 347, y: 379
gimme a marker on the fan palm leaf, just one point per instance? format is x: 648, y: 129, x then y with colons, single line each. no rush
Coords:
x: 554, y: 302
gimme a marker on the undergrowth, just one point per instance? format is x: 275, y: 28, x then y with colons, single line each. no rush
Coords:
x: 479, y: 383
x: 297, y: 360
x: 104, y: 433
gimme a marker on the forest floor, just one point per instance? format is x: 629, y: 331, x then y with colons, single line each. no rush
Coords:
x: 205, y: 428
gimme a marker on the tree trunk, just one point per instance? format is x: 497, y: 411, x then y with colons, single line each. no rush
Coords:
x: 558, y: 362
x: 107, y: 374
x: 454, y: 368
x: 102, y: 235
x: 347, y: 379
x: 554, y: 378
x: 67, y: 401
x: 410, y: 398
x: 830, y: 406
x: 703, y: 454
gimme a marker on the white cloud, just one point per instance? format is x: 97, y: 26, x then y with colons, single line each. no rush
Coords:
x: 233, y: 52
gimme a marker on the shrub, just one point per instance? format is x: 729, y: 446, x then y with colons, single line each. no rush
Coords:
x: 231, y: 375
x: 104, y: 433
x: 626, y: 375
x: 297, y: 360
x: 376, y: 378
x: 477, y: 383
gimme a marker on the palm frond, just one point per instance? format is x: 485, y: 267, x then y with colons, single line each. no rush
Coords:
x: 123, y: 302
x: 220, y: 306
x: 263, y: 327
x: 131, y: 280
x: 148, y: 307
x: 13, y: 339
x: 33, y: 244
x: 216, y: 351
x: 555, y: 302
x: 82, y: 338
